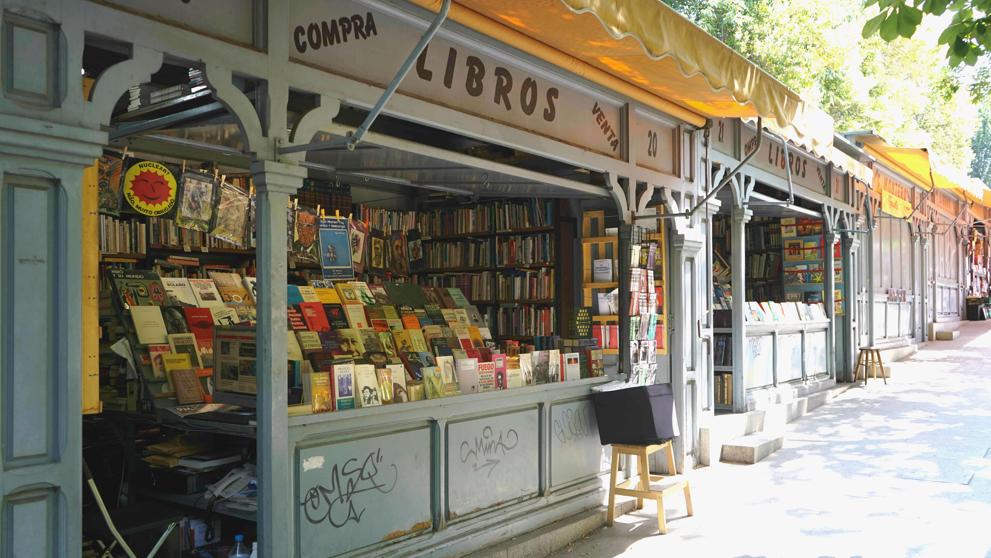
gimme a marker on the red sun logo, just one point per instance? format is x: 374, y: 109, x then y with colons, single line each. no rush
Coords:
x: 150, y: 188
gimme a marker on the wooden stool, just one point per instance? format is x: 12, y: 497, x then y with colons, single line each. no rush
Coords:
x: 869, y: 359
x: 626, y: 488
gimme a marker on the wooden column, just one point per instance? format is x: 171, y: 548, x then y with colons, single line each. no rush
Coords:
x: 274, y: 183
x: 740, y: 217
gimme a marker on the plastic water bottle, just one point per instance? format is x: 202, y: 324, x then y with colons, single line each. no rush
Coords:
x: 240, y: 549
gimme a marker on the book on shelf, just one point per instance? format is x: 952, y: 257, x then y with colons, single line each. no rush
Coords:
x: 602, y: 271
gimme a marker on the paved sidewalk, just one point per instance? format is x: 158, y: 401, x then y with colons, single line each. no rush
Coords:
x: 896, y: 470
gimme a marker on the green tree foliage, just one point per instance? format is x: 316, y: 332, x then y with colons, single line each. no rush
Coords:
x: 901, y: 89
x: 981, y: 165
x: 967, y: 34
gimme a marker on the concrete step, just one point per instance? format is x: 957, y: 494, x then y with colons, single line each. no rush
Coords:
x: 716, y: 430
x: 551, y: 538
x: 947, y: 335
x: 751, y: 448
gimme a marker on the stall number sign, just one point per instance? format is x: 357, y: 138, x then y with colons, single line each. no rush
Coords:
x: 894, y: 205
x: 654, y: 140
x: 348, y: 39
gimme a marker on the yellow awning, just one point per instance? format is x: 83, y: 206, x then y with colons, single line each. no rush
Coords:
x: 647, y: 51
x: 924, y: 169
x: 845, y: 162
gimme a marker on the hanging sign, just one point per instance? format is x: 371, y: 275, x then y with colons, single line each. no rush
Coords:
x: 349, y: 39
x: 894, y: 205
x: 150, y: 188
x: 806, y: 171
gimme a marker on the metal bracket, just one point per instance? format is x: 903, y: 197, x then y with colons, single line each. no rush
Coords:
x: 352, y: 139
x: 726, y: 180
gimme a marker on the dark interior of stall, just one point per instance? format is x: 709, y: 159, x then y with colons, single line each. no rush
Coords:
x: 410, y: 278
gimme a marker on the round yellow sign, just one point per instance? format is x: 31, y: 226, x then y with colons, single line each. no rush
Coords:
x: 150, y: 188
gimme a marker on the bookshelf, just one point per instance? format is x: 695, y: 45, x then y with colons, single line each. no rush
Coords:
x: 502, y: 256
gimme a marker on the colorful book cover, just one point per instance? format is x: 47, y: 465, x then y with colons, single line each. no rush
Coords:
x: 433, y: 382
x: 336, y: 248
x: 293, y: 296
x: 179, y: 291
x: 400, y: 393
x: 295, y: 319
x: 335, y: 316
x: 366, y: 385
x: 384, y: 376
x: 359, y: 238
x: 399, y: 258
x: 355, y: 314
x: 321, y: 399
x: 486, y: 376
x: 370, y: 340
x: 499, y: 368
x: 344, y: 385
x: 305, y: 243
x: 467, y: 371
x: 446, y: 366
x: 139, y: 288
x: 351, y: 343
x: 230, y: 286
x: 314, y: 316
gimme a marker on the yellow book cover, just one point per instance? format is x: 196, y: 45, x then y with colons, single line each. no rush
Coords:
x: 321, y: 399
x: 327, y: 296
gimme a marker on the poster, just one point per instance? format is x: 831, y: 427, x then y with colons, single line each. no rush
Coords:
x: 150, y: 188
x: 335, y: 248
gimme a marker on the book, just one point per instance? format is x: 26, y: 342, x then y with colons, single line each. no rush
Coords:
x: 305, y: 232
x: 335, y: 316
x: 384, y: 376
x: 185, y: 343
x: 399, y: 262
x: 206, y: 293
x: 343, y: 381
x: 499, y: 370
x: 370, y: 340
x: 155, y: 353
x: 348, y: 293
x: 307, y: 293
x: 351, y: 343
x: 355, y: 315
x: 224, y: 316
x: 365, y: 294
x: 458, y: 298
x: 414, y: 251
x: 486, y: 376
x: 433, y: 382
x: 172, y: 362
x: 447, y: 370
x: 400, y: 393
x: 294, y: 350
x: 467, y: 372
x: 187, y: 386
x: 210, y: 460
x: 314, y: 316
x: 514, y: 376
x: 380, y: 294
x: 526, y: 368
x: 251, y: 285
x: 230, y: 286
x: 358, y: 232
x: 572, y: 367
x: 321, y: 399
x: 366, y: 385
x: 295, y: 319
x: 179, y: 291
x: 554, y: 368
x: 377, y: 249
x: 309, y: 342
x: 137, y: 288
x: 327, y: 295
x: 230, y: 219
x: 417, y: 341
x: 602, y: 271
x: 541, y: 367
x: 149, y: 325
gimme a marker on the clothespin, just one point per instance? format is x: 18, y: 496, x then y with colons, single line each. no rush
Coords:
x: 319, y: 211
x: 222, y: 178
x: 337, y: 213
x: 124, y: 155
x: 183, y: 165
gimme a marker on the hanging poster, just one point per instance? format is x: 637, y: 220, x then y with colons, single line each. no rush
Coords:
x: 335, y: 248
x: 195, y: 210
x: 231, y: 220
x: 304, y: 240
x: 359, y: 234
x: 109, y: 181
x: 150, y: 188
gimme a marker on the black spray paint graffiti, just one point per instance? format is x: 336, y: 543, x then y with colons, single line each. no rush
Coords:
x: 483, y: 451
x: 341, y: 503
x: 574, y: 424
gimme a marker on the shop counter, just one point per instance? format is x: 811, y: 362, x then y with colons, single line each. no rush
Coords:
x: 411, y: 476
x: 781, y: 352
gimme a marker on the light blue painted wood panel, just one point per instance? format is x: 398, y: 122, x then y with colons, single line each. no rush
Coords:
x: 492, y: 460
x: 575, y: 449
x: 30, y: 516
x: 28, y: 284
x: 790, y: 356
x: 356, y: 493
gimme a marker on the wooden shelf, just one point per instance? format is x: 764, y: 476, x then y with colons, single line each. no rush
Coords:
x: 456, y: 270
x: 123, y: 257
x: 609, y: 285
x: 606, y: 318
x: 200, y: 250
x: 599, y: 239
x: 484, y: 235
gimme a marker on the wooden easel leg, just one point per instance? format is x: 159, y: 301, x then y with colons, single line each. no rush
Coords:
x: 880, y: 365
x: 688, y: 500
x: 611, y: 514
x: 856, y: 367
x: 662, y: 524
x: 644, y: 475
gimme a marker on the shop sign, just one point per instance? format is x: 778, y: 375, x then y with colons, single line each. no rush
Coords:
x: 805, y: 171
x: 654, y: 141
x: 232, y: 20
x: 349, y: 39
x: 894, y: 205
